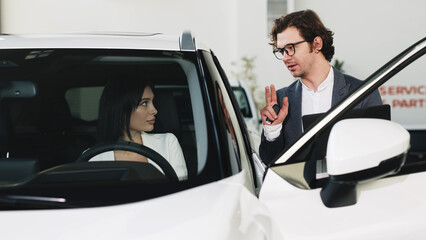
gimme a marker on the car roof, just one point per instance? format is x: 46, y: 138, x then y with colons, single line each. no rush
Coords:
x: 146, y: 41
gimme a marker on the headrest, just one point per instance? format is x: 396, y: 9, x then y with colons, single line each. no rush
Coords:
x: 167, y: 119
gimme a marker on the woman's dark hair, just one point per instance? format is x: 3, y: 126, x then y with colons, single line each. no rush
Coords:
x: 309, y: 25
x: 120, y: 97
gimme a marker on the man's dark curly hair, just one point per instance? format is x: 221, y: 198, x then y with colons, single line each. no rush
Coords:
x: 309, y: 25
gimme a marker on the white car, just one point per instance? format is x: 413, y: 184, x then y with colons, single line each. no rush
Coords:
x: 50, y: 88
x: 247, y: 105
x: 244, y: 97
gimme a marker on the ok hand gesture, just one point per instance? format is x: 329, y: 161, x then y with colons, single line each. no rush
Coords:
x: 268, y: 111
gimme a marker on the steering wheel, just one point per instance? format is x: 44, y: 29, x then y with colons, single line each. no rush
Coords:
x: 131, y: 147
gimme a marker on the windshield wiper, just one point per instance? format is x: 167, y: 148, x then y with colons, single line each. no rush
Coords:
x: 16, y: 202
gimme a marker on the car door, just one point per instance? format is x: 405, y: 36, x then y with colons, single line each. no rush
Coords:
x: 386, y: 202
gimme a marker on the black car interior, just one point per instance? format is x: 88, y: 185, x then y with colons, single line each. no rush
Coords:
x: 40, y: 132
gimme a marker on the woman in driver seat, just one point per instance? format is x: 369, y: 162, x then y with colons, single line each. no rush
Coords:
x: 126, y: 113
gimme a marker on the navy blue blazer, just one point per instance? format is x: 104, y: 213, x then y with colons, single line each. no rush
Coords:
x: 292, y: 125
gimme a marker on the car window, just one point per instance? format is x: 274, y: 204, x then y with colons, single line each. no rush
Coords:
x: 236, y: 148
x: 403, y: 94
x: 241, y: 97
x: 406, y: 94
x: 231, y: 137
x: 50, y: 101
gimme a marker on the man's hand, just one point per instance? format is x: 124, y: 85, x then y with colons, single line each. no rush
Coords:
x: 268, y: 111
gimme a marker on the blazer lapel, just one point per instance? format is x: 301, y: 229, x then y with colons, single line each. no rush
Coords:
x: 295, y: 107
x: 340, y: 88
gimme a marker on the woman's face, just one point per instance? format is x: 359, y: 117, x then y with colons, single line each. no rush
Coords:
x: 143, y: 117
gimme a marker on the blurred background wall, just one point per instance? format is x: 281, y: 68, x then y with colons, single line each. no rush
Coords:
x: 367, y: 33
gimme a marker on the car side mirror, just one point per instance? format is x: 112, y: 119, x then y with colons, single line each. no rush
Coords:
x: 361, y: 150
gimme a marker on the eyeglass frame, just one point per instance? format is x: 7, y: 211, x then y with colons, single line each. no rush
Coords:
x: 282, y: 50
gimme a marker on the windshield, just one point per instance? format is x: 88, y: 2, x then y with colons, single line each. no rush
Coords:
x: 66, y: 115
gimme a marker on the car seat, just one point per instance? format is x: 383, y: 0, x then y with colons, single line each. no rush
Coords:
x: 5, y: 132
x: 168, y: 120
x: 12, y: 169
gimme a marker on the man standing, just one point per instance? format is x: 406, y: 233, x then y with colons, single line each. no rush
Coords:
x: 305, y: 46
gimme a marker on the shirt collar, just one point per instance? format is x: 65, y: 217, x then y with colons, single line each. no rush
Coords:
x: 325, y: 84
x: 328, y: 81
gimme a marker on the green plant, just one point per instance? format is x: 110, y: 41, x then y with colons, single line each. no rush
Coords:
x: 338, y: 65
x: 248, y: 76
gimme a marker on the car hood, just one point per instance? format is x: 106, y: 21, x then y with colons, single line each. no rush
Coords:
x: 224, y: 209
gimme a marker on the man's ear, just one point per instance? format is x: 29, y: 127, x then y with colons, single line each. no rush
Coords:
x: 317, y: 44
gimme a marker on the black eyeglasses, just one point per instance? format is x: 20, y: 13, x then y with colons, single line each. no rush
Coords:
x: 289, y: 49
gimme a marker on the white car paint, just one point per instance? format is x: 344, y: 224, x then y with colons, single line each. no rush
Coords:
x: 101, y: 41
x: 344, y: 154
x: 302, y: 215
x: 224, y: 209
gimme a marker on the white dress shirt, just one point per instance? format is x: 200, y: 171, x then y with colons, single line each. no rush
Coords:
x: 318, y: 101
x: 312, y: 102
